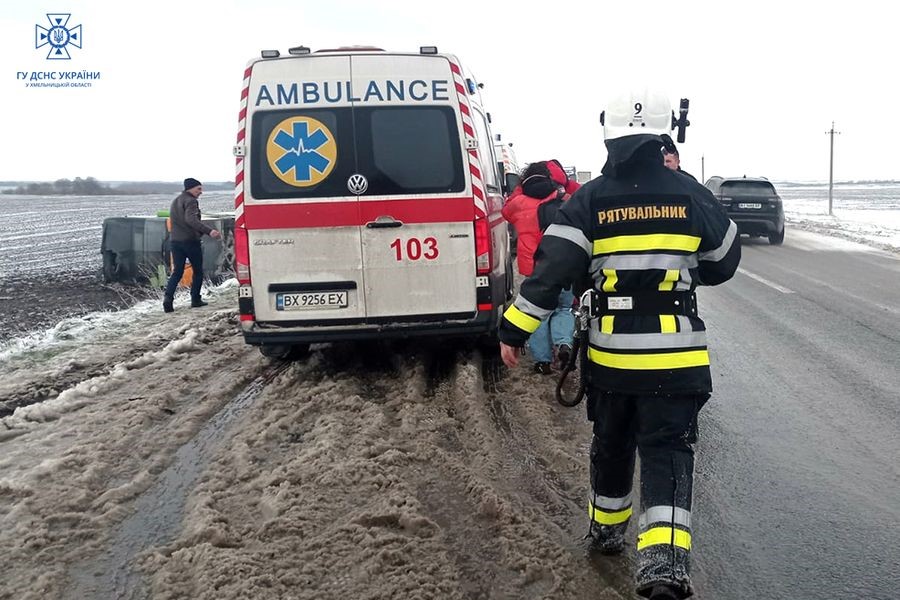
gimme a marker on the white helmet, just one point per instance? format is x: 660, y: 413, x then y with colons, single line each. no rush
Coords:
x: 635, y: 113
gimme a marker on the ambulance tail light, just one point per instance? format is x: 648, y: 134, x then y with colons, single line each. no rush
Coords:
x: 241, y: 256
x: 483, y: 258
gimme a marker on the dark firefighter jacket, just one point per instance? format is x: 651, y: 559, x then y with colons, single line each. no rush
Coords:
x: 639, y: 228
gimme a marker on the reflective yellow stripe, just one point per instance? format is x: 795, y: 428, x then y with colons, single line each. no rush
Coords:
x: 667, y: 360
x: 521, y: 320
x: 608, y: 518
x: 663, y: 535
x: 668, y: 283
x: 610, y: 280
x: 651, y: 241
x: 606, y: 323
x: 667, y: 324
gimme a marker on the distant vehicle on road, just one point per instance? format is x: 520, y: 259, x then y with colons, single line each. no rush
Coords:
x: 509, y: 177
x: 752, y: 203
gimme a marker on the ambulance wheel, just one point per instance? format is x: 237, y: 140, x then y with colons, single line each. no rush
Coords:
x: 284, y: 351
x: 489, y: 343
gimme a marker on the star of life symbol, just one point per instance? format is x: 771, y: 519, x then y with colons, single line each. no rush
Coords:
x: 58, y: 36
x: 301, y: 151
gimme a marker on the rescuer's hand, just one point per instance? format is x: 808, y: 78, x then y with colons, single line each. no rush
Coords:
x: 215, y: 233
x: 509, y: 354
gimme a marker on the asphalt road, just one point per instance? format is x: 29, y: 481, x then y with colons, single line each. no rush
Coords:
x: 797, y: 491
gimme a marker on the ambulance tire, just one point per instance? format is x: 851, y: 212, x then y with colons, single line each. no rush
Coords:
x: 489, y: 344
x: 285, y: 352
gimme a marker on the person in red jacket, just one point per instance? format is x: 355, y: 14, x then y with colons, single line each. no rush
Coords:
x: 530, y: 209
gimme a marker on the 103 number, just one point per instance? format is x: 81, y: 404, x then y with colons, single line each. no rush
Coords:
x: 415, y: 249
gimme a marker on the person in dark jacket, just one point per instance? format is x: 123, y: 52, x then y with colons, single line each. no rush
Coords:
x: 646, y: 236
x: 672, y: 159
x: 542, y: 183
x: 187, y: 229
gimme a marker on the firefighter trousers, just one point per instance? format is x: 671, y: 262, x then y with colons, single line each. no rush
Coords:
x: 663, y: 429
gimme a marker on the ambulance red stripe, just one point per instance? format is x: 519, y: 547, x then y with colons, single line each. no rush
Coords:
x: 357, y: 214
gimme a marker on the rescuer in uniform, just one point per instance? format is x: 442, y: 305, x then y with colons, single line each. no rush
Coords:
x: 645, y: 237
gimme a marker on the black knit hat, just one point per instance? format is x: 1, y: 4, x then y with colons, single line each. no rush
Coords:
x: 190, y: 182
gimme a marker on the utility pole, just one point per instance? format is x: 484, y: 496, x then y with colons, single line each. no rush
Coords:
x: 702, y: 168
x: 831, y: 168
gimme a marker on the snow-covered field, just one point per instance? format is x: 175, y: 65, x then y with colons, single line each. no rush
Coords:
x: 152, y: 455
x: 50, y: 261
x: 867, y: 213
x: 53, y: 234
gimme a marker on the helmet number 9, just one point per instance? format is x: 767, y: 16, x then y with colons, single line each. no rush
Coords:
x: 638, y: 107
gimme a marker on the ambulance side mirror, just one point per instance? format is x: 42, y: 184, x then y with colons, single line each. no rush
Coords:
x: 510, y: 181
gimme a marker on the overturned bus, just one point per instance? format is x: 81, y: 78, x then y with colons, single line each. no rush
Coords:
x: 136, y: 249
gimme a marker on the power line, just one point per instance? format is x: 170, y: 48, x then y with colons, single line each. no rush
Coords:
x: 831, y: 133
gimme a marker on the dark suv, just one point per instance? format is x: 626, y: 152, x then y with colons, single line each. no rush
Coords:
x: 752, y: 203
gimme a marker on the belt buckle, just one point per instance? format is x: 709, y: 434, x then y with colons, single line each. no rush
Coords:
x: 691, y: 304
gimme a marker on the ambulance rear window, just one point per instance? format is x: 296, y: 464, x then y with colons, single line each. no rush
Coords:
x: 301, y: 154
x: 313, y: 153
x: 409, y: 149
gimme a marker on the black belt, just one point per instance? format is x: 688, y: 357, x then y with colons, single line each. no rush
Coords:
x: 645, y: 303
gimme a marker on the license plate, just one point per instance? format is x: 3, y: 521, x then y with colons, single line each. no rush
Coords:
x: 749, y: 205
x: 311, y: 300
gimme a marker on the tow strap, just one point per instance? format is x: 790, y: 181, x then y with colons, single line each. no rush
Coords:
x: 587, y: 308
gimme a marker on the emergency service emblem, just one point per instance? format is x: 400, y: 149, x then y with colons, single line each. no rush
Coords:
x: 58, y: 36
x: 357, y: 184
x: 301, y: 151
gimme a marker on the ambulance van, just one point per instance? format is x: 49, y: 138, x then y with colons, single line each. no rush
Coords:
x: 367, y: 200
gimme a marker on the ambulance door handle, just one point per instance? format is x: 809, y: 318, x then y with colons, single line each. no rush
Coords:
x: 384, y: 222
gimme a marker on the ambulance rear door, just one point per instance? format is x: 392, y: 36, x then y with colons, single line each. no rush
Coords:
x: 418, y: 246
x: 303, y: 223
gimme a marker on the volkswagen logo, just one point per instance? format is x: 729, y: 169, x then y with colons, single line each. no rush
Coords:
x: 357, y: 184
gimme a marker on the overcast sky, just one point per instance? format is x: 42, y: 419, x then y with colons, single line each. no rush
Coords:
x: 765, y: 79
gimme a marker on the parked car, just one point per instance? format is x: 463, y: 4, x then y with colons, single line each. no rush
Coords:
x: 752, y: 203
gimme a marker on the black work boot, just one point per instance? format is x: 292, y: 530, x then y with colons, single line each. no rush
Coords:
x: 167, y: 305
x: 198, y: 303
x: 663, y: 592
x: 563, y: 352
x: 608, y: 539
x: 543, y: 368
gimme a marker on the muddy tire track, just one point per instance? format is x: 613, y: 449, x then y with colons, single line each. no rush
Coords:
x: 383, y: 472
x: 157, y: 512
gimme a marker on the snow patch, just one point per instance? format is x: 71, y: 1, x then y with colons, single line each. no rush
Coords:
x: 76, y: 397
